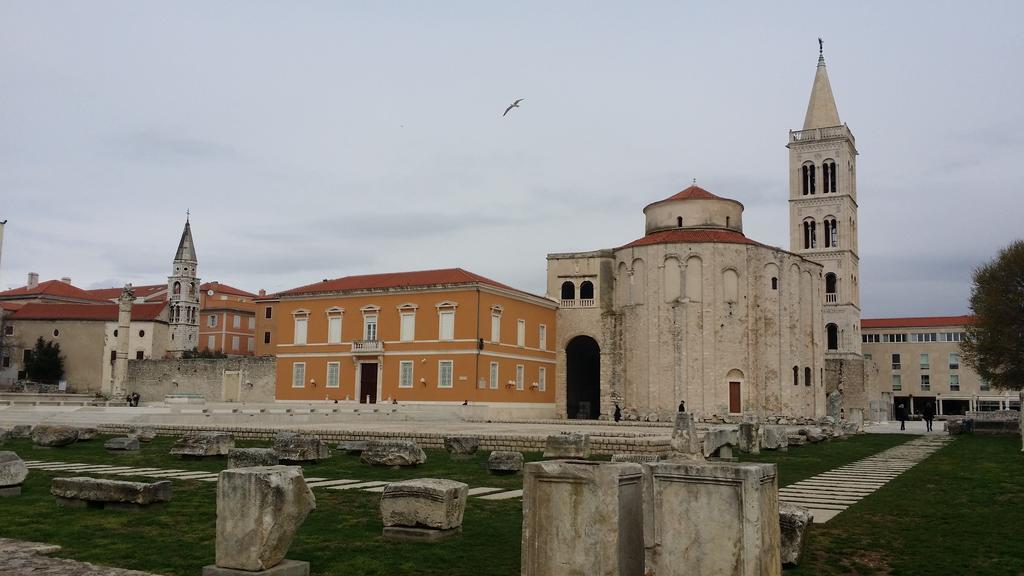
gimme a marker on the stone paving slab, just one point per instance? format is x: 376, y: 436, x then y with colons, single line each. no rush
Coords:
x: 377, y: 489
x: 370, y: 484
x: 18, y: 557
x: 481, y: 490
x: 325, y: 483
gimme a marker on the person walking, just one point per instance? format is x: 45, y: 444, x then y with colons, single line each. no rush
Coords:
x: 901, y: 415
x: 929, y: 415
x: 618, y: 413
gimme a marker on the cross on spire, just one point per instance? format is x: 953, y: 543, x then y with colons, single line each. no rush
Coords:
x: 187, y: 214
x: 821, y: 47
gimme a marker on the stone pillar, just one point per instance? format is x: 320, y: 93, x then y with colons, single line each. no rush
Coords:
x: 582, y: 518
x: 684, y: 443
x: 711, y: 518
x: 124, y: 326
x: 1022, y: 420
x: 749, y: 438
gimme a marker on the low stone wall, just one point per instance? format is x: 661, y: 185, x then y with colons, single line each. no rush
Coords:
x: 155, y: 379
x: 603, y: 445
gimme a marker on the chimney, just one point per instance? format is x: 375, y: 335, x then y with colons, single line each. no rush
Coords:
x: 33, y: 279
x: 263, y: 292
x: 66, y: 279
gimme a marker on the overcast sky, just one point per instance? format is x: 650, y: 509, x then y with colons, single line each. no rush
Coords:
x: 321, y: 139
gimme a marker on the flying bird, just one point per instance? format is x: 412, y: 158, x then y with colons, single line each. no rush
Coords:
x: 513, y: 105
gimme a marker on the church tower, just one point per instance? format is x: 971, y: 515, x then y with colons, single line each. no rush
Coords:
x: 183, y: 297
x: 823, y: 212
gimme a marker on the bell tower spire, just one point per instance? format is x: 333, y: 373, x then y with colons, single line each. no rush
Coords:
x: 183, y: 295
x: 823, y: 211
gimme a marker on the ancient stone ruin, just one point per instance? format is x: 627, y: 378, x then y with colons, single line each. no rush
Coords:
x: 122, y: 444
x: 81, y: 492
x: 292, y: 447
x: 794, y: 524
x: 393, y: 453
x: 567, y: 445
x: 248, y: 457
x: 461, y: 447
x: 12, y: 473
x: 426, y: 509
x: 50, y: 436
x: 203, y: 444
x: 504, y: 462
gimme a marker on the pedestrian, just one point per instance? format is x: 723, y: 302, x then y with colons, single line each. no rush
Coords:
x: 929, y: 414
x: 618, y: 413
x: 901, y: 415
x: 135, y: 399
x: 682, y: 406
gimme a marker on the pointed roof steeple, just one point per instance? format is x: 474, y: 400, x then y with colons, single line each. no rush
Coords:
x: 821, y: 109
x: 186, y: 248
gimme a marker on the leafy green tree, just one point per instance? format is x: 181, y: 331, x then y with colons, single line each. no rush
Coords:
x: 994, y: 345
x: 204, y: 353
x: 46, y: 364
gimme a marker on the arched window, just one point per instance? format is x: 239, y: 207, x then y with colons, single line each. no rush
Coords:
x: 679, y: 221
x: 810, y: 234
x: 587, y: 290
x: 568, y: 290
x: 830, y: 283
x: 807, y: 376
x: 828, y: 176
x: 796, y: 375
x: 775, y: 283
x: 834, y: 232
x: 831, y: 233
x: 808, y: 178
x: 176, y: 289
x: 832, y: 336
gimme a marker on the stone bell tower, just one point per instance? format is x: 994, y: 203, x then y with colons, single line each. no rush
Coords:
x: 823, y: 212
x: 183, y: 297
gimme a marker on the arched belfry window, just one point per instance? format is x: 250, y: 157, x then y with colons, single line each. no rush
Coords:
x: 587, y: 290
x: 830, y: 288
x: 810, y: 234
x: 568, y: 290
x: 679, y: 221
x: 796, y: 375
x: 177, y: 288
x: 807, y: 376
x: 831, y: 233
x: 828, y: 176
x: 832, y: 336
x: 807, y: 173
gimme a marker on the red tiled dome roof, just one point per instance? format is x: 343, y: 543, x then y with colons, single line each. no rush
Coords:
x: 684, y: 236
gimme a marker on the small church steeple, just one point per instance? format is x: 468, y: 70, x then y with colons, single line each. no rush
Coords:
x: 183, y: 295
x: 821, y: 109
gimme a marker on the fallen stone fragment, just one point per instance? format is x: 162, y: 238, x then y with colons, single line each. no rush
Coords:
x: 81, y: 491
x: 203, y: 444
x: 567, y: 446
x: 504, y: 462
x: 433, y: 508
x: 461, y: 447
x: 122, y: 443
x: 292, y: 447
x: 48, y: 435
x: 12, y: 473
x: 794, y: 522
x: 249, y: 457
x: 393, y: 453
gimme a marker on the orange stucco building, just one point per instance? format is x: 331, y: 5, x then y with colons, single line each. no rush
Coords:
x: 436, y: 336
x: 227, y: 320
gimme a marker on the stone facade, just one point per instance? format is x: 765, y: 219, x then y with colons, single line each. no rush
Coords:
x: 244, y: 379
x: 183, y: 297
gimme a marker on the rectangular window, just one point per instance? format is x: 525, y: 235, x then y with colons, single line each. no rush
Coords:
x: 444, y: 373
x: 926, y: 382
x: 494, y: 376
x: 8, y: 330
x: 924, y: 362
x: 519, y: 376
x: 370, y: 327
x: 26, y: 356
x: 954, y: 361
x: 984, y: 386
x: 405, y: 374
x: 252, y: 323
x: 334, y: 329
x: 954, y: 382
x: 299, y: 375
x: 234, y: 343
x: 897, y: 383
x: 896, y: 362
x: 408, y: 326
x: 236, y: 322
x: 268, y: 312
x: 6, y: 362
x: 542, y: 336
x: 495, y: 328
x: 521, y: 333
x: 139, y: 355
x: 300, y: 330
x: 266, y: 337
x: 212, y: 320
x: 250, y: 344
x: 211, y: 342
x: 447, y: 325
x: 334, y: 374
x: 542, y: 378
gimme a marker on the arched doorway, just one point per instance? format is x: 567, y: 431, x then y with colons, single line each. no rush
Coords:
x: 583, y: 378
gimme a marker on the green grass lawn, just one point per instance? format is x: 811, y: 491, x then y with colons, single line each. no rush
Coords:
x: 959, y: 512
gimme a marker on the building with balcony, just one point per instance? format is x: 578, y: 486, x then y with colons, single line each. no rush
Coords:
x: 916, y: 361
x: 435, y: 336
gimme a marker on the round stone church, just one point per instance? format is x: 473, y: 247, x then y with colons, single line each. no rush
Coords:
x: 694, y: 312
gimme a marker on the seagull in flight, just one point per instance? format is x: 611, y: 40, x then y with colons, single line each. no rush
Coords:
x: 513, y: 105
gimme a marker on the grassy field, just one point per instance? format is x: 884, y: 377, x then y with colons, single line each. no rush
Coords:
x: 953, y: 514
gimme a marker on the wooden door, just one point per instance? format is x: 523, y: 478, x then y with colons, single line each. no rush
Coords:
x: 368, y: 383
x: 734, y: 398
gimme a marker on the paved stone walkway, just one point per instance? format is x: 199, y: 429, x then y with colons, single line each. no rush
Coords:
x: 829, y: 493
x: 21, y: 558
x: 482, y: 492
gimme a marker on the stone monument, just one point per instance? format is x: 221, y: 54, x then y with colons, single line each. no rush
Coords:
x: 12, y: 473
x: 567, y: 445
x: 124, y: 328
x: 685, y: 443
x: 425, y: 509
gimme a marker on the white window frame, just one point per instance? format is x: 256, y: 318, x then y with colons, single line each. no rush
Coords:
x: 897, y: 383
x: 496, y: 327
x: 520, y: 377
x: 441, y: 364
x: 301, y: 336
x: 954, y: 380
x: 211, y: 321
x: 368, y: 321
x: 405, y: 379
x: 250, y: 344
x: 211, y: 342
x: 542, y: 378
x: 521, y: 333
x: 925, y: 361
x: 443, y: 334
x: 236, y: 322
x: 407, y: 335
x: 542, y: 337
x: 236, y: 343
x: 334, y: 324
x: 954, y: 361
x: 337, y: 375
x: 252, y: 322
x: 299, y: 375
x: 493, y: 376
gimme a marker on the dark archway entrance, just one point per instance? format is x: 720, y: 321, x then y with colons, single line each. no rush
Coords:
x: 583, y: 378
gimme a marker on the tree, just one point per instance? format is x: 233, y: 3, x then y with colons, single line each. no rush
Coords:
x: 45, y: 364
x: 204, y: 353
x: 994, y: 345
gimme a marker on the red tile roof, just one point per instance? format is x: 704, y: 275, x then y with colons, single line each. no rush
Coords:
x: 225, y: 289
x: 918, y: 322
x: 50, y: 288
x: 100, y: 312
x: 694, y: 193
x: 11, y: 306
x: 144, y: 292
x: 684, y: 236
x: 443, y: 277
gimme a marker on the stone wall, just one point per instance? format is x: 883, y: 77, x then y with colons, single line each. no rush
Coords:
x: 846, y: 375
x: 155, y: 379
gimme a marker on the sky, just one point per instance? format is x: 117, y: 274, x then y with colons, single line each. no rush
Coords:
x: 315, y: 140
